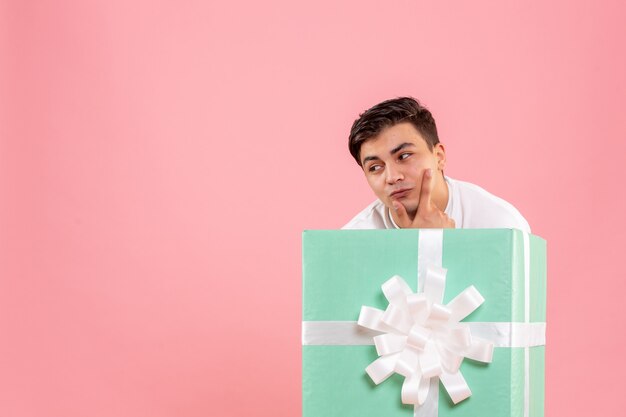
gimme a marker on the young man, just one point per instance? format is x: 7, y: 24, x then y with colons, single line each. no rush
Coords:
x: 396, y: 144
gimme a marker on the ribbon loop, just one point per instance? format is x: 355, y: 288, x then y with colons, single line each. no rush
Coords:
x: 480, y: 350
x: 396, y: 318
x: 465, y: 303
x: 418, y: 336
x: 455, y: 385
x: 389, y: 343
x: 408, y: 362
x: 382, y: 368
x: 418, y: 307
x: 430, y: 362
x: 451, y: 360
x: 396, y: 290
x: 370, y: 318
x: 461, y: 336
x: 439, y: 313
x: 411, y: 390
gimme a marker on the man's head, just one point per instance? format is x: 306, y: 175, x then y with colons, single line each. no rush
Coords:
x: 395, y: 142
x: 389, y: 113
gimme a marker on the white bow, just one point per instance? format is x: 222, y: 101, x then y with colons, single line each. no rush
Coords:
x: 423, y: 338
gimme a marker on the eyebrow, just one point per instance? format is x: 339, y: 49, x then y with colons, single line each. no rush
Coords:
x: 400, y: 147
x: 393, y: 151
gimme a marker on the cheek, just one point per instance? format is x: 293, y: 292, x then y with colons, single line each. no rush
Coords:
x: 371, y: 181
x: 419, y: 166
x: 376, y: 183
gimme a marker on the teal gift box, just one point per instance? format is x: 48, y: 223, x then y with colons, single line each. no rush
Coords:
x: 343, y: 270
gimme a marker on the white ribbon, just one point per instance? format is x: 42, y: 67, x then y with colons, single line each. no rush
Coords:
x: 424, y: 338
x: 349, y: 333
x: 526, y: 320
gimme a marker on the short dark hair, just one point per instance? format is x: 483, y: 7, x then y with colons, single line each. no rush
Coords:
x: 389, y: 113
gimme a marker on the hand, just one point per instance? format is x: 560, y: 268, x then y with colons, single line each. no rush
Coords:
x: 428, y: 215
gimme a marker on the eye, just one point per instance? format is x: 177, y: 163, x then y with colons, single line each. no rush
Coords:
x: 374, y: 168
x: 404, y: 155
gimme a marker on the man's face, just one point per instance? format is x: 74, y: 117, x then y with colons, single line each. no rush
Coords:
x: 394, y: 163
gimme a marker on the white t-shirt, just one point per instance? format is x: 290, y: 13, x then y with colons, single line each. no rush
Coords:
x: 470, y: 206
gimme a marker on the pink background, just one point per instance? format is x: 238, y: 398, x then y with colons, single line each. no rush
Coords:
x: 159, y: 160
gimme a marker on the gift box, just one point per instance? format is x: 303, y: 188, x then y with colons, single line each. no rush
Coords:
x: 344, y: 270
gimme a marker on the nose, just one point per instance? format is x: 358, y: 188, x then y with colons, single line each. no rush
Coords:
x: 393, y: 174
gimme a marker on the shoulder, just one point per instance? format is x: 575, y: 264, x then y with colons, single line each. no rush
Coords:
x: 372, y: 217
x: 485, y: 210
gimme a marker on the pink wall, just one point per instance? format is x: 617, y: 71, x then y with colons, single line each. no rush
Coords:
x: 158, y: 161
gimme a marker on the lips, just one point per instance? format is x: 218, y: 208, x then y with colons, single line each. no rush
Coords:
x: 400, y: 193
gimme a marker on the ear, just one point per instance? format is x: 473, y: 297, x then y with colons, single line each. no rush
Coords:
x: 440, y: 153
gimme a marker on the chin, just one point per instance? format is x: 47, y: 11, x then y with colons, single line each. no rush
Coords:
x: 411, y: 208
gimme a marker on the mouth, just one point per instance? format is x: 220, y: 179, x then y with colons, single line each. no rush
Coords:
x: 403, y: 192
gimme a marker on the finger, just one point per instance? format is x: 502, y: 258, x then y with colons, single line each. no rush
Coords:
x: 399, y: 214
x: 426, y: 190
x: 448, y: 222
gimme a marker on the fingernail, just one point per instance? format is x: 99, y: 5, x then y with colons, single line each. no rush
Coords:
x: 395, y: 206
x: 429, y: 172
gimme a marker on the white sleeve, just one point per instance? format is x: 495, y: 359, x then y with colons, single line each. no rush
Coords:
x: 369, y: 218
x: 482, y: 209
